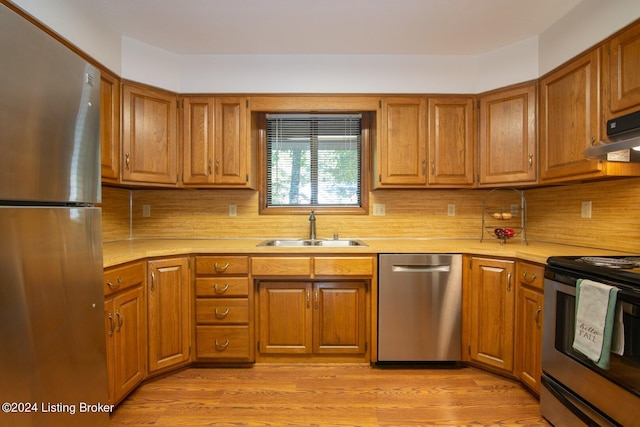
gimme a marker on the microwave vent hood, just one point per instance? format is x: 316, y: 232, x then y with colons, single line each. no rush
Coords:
x: 624, y: 135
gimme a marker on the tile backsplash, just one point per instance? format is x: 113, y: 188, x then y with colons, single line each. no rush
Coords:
x: 554, y: 214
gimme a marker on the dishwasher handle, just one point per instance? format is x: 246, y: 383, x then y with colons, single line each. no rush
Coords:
x: 421, y: 268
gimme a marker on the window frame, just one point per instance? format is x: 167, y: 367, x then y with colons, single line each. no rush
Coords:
x: 260, y: 120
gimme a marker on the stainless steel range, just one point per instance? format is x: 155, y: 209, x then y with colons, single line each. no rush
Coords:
x: 576, y: 390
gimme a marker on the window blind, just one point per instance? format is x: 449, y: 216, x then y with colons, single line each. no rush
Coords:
x: 314, y: 159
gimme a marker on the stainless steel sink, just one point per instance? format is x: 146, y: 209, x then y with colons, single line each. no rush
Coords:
x: 312, y: 242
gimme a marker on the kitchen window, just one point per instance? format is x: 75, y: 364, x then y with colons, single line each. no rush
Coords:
x: 313, y: 161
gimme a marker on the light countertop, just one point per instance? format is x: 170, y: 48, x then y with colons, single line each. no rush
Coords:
x: 119, y: 252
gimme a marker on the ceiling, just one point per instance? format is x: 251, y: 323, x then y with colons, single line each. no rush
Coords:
x: 335, y: 27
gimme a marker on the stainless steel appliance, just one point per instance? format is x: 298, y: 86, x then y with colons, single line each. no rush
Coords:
x: 419, y: 307
x: 52, y: 330
x: 575, y: 390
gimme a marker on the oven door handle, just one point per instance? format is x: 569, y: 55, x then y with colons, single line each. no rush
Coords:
x: 573, y: 404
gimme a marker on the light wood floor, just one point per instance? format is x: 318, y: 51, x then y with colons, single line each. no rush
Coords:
x: 329, y: 395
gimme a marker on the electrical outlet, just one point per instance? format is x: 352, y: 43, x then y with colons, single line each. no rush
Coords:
x: 233, y: 210
x: 378, y: 209
x: 146, y: 211
x: 586, y: 210
x: 451, y: 209
x: 515, y: 208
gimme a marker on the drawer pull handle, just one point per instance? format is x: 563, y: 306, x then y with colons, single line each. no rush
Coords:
x: 221, y: 315
x: 219, y: 268
x: 221, y: 346
x: 538, y: 316
x: 117, y: 285
x: 508, y: 282
x: 219, y: 290
x: 529, y: 279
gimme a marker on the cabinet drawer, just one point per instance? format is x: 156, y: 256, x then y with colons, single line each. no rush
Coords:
x: 342, y: 266
x: 530, y: 274
x: 281, y: 266
x: 122, y: 277
x: 222, y: 342
x: 222, y: 310
x: 222, y: 286
x: 222, y: 265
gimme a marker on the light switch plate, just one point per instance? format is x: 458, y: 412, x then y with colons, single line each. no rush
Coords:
x: 451, y: 209
x: 146, y: 211
x: 233, y: 210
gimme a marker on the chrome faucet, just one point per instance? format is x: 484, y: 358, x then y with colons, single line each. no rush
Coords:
x: 312, y: 226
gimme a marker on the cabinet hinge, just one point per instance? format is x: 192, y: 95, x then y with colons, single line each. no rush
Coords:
x: 180, y: 103
x: 366, y: 346
x: 379, y: 103
x: 247, y: 103
x: 258, y: 343
x: 247, y: 177
x: 470, y: 263
x: 189, y: 350
x: 469, y: 350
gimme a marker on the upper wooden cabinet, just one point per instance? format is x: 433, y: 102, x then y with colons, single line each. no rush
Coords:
x: 149, y: 143
x: 109, y: 127
x: 622, y: 76
x: 197, y: 140
x: 216, y: 142
x: 452, y: 130
x: 401, y: 152
x: 570, y: 119
x: 508, y: 149
x: 425, y: 142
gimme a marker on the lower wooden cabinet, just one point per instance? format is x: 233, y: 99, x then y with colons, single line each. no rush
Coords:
x: 126, y: 329
x: 312, y: 317
x: 491, y: 288
x: 169, y: 312
x: 224, y: 309
x: 529, y: 315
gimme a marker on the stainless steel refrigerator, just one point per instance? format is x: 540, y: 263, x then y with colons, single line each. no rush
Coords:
x: 52, y: 330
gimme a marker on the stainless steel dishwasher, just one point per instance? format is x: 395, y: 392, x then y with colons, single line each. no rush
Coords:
x: 419, y: 307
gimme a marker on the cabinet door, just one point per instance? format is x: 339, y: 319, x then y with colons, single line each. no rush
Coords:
x: 451, y: 141
x: 339, y: 317
x: 169, y: 303
x: 507, y: 145
x: 127, y: 341
x: 624, y: 63
x: 402, y: 150
x: 109, y: 127
x: 492, y: 301
x: 286, y: 317
x: 570, y: 119
x: 197, y: 140
x: 529, y: 337
x: 232, y: 158
x: 149, y: 141
x: 529, y: 318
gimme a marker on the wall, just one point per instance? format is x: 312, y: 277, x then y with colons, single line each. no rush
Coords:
x: 553, y: 215
x: 587, y: 24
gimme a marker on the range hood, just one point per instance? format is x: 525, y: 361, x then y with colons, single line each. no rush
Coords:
x: 624, y: 134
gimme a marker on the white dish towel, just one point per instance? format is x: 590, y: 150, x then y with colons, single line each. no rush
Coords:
x: 595, y: 308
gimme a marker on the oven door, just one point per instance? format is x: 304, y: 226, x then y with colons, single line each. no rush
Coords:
x: 592, y: 395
